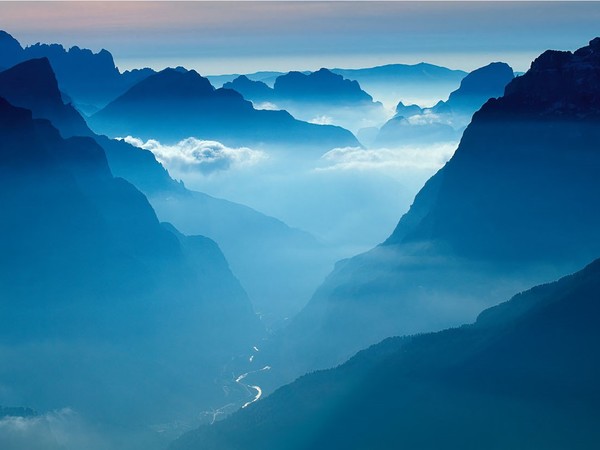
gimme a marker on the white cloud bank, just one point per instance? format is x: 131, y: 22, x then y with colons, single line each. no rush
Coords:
x: 193, y: 154
x: 430, y: 157
x: 57, y: 430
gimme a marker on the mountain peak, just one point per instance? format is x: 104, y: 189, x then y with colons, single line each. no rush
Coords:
x: 10, y: 49
x: 172, y: 83
x: 486, y: 80
x: 38, y: 77
x: 319, y: 85
x: 575, y: 93
x: 8, y: 38
x: 32, y: 85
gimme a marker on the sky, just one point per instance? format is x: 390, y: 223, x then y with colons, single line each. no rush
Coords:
x: 242, y: 37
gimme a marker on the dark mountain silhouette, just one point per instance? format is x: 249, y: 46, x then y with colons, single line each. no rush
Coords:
x: 476, y: 89
x: 10, y: 50
x: 266, y: 76
x: 320, y: 86
x: 89, y: 276
x: 446, y: 120
x: 524, y: 374
x: 318, y: 96
x: 255, y: 91
x: 32, y: 85
x: 90, y: 79
x: 511, y: 208
x: 171, y: 106
x: 268, y: 256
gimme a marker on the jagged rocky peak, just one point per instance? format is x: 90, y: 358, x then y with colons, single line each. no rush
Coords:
x: 560, y: 83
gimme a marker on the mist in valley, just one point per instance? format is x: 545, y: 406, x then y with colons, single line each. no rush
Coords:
x: 261, y: 259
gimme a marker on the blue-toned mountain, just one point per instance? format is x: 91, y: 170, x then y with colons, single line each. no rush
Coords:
x: 476, y: 89
x: 90, y: 79
x: 89, y: 275
x: 525, y: 371
x: 447, y: 119
x: 512, y: 207
x: 172, y: 105
x: 268, y: 256
x: 319, y: 97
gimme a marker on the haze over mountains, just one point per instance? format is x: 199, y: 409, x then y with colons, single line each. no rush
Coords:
x: 503, y: 381
x: 447, y: 119
x: 134, y: 309
x: 171, y: 106
x: 319, y: 97
x: 89, y: 270
x: 510, y: 209
x: 241, y: 232
x: 418, y: 83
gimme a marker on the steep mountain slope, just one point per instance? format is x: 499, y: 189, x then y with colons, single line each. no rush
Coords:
x: 513, y: 207
x: 90, y: 276
x: 32, y: 84
x: 524, y: 375
x: 268, y: 256
x: 171, y: 106
x: 476, y: 89
x: 91, y: 79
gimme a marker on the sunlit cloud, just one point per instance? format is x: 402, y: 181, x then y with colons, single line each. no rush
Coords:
x: 193, y: 154
x: 56, y: 430
x: 322, y: 120
x: 266, y: 105
x: 409, y: 157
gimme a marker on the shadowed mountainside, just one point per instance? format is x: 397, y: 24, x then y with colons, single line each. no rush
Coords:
x: 523, y: 374
x: 511, y: 208
x: 90, y: 279
x: 90, y: 79
x: 268, y: 256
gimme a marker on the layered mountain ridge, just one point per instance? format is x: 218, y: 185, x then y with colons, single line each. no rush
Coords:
x: 524, y: 372
x: 91, y: 79
x: 171, y: 106
x: 511, y: 208
x: 87, y: 269
x: 241, y: 232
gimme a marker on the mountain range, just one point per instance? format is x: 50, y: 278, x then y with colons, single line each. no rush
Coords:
x: 524, y: 375
x: 447, y: 119
x: 171, y: 106
x: 316, y: 96
x: 418, y: 83
x: 423, y: 83
x: 510, y: 209
x: 98, y: 295
x: 257, y: 246
x: 90, y: 79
